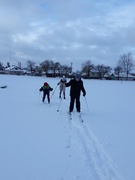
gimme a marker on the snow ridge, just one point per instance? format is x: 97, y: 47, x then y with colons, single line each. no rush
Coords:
x: 96, y: 162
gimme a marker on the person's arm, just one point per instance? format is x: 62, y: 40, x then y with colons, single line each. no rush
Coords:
x: 41, y: 89
x: 83, y: 89
x: 50, y: 89
x: 68, y: 84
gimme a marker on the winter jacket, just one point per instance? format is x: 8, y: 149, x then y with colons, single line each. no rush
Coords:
x: 62, y: 84
x: 76, y: 87
x: 46, y: 89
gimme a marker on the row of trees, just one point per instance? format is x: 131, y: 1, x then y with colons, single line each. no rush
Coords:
x: 125, y: 66
x: 88, y: 70
x: 47, y: 66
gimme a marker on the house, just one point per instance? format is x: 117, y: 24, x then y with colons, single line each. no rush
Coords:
x: 15, y: 70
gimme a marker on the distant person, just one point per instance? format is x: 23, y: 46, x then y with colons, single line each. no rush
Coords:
x: 76, y: 86
x: 62, y: 87
x: 46, y: 91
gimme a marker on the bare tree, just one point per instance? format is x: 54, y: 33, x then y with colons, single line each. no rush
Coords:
x: 118, y: 71
x: 87, y: 67
x: 31, y: 65
x: 59, y: 68
x: 55, y: 67
x: 38, y: 70
x: 1, y: 66
x: 65, y: 69
x: 102, y: 70
x: 45, y: 65
x: 126, y: 63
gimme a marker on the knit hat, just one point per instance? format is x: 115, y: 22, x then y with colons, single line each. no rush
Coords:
x: 63, y: 78
x: 45, y: 84
x: 77, y: 76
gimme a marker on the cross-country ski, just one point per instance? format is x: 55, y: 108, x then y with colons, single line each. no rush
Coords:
x: 70, y: 115
x: 80, y: 117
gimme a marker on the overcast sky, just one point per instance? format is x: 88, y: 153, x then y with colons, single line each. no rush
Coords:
x: 67, y: 31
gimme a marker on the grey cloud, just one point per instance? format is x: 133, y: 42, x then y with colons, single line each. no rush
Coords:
x: 71, y: 30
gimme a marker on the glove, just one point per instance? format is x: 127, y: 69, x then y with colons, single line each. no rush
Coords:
x: 51, y: 89
x: 84, y: 94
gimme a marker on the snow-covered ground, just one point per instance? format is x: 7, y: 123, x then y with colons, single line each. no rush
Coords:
x: 39, y: 143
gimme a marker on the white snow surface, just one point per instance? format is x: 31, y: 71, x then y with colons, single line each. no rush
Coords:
x: 39, y: 143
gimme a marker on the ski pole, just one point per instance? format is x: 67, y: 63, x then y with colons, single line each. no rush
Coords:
x: 59, y: 105
x: 86, y: 103
x: 54, y: 91
x: 39, y: 95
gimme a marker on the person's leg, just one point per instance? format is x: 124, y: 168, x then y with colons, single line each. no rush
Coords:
x: 43, y: 97
x: 60, y: 93
x: 72, y: 100
x: 78, y: 103
x: 48, y: 97
x: 64, y: 93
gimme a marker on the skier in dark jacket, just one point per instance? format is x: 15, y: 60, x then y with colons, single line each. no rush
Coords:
x: 46, y: 91
x: 76, y: 86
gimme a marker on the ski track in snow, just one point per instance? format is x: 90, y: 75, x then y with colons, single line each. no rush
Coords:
x: 97, y: 164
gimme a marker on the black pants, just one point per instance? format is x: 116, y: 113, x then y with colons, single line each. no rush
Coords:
x: 74, y: 99
x: 48, y: 96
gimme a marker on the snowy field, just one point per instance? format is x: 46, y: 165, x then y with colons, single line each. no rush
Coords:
x: 39, y: 143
